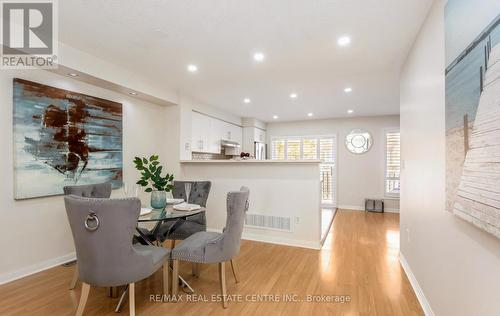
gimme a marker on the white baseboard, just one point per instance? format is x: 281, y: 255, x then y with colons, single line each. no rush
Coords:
x: 29, y: 270
x: 416, y: 287
x: 391, y: 210
x: 277, y: 240
x: 362, y: 208
x: 351, y: 207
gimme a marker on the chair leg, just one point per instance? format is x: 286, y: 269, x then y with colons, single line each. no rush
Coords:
x: 222, y: 278
x: 175, y: 277
x: 113, y: 291
x: 233, y: 267
x: 83, y: 299
x: 75, y: 278
x: 195, y: 268
x: 166, y: 272
x: 131, y: 298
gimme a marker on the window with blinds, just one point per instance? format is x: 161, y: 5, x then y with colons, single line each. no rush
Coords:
x: 303, y: 148
x: 392, y: 163
x: 327, y: 149
x: 310, y: 148
x: 278, y: 149
x: 293, y: 148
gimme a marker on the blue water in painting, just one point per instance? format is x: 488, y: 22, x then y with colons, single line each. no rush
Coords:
x: 463, y: 83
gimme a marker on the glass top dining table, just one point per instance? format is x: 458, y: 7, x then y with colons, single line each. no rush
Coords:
x: 167, y: 213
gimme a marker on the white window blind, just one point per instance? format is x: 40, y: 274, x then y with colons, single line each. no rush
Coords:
x: 392, y: 163
x: 310, y: 148
x: 293, y: 149
x: 327, y: 149
x: 322, y: 148
x: 278, y: 149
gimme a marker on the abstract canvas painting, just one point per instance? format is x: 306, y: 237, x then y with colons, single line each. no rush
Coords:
x: 473, y: 112
x: 64, y: 138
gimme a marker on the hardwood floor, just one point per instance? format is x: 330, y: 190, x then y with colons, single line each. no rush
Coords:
x: 359, y: 259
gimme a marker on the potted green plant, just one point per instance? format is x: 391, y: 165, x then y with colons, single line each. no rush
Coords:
x: 152, y: 179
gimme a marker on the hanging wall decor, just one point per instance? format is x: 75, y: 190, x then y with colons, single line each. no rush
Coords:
x: 63, y: 138
x: 473, y: 112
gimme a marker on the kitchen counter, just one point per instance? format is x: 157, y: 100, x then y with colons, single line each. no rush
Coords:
x: 253, y: 161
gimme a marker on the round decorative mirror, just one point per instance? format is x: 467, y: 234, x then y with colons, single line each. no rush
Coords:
x: 358, y: 141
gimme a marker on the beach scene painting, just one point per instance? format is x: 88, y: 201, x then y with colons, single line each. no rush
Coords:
x: 473, y: 112
x: 63, y: 138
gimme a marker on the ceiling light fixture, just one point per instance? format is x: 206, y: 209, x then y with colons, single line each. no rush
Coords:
x: 133, y: 93
x: 348, y: 90
x: 350, y: 111
x: 246, y: 100
x: 344, y: 41
x: 293, y: 95
x: 192, y: 68
x: 259, y: 57
x: 275, y: 117
x: 310, y: 114
x: 72, y: 74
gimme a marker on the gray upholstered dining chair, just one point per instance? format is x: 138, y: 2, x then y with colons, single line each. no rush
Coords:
x: 102, y: 231
x: 212, y: 247
x: 193, y: 224
x: 98, y: 190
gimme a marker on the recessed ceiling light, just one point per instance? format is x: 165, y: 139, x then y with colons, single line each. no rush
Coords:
x: 310, y: 114
x: 72, y: 74
x: 133, y: 93
x: 348, y: 90
x: 350, y: 111
x: 344, y: 41
x: 275, y: 117
x: 246, y: 100
x: 192, y: 68
x: 293, y: 95
x: 259, y: 57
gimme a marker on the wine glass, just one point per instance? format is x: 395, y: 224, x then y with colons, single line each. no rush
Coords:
x: 187, y: 189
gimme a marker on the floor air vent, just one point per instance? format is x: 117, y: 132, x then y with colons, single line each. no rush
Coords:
x: 268, y: 222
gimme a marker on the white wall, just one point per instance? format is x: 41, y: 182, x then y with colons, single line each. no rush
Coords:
x: 276, y: 188
x: 456, y: 265
x: 35, y: 233
x: 359, y: 176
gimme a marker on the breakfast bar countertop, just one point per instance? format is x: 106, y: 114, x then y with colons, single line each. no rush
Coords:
x: 229, y: 161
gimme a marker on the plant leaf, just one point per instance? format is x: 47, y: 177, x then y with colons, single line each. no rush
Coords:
x: 149, y: 190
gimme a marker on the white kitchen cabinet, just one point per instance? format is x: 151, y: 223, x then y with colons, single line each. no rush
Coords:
x: 230, y: 132
x: 236, y: 133
x: 215, y: 134
x: 200, y: 138
x: 207, y: 133
x: 259, y: 135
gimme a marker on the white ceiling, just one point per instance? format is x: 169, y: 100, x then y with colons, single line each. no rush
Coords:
x: 159, y: 38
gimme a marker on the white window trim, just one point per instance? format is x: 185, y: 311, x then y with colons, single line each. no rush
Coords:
x: 394, y: 196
